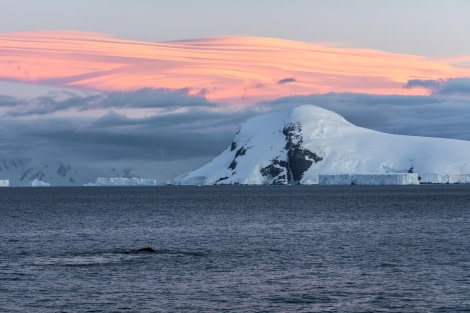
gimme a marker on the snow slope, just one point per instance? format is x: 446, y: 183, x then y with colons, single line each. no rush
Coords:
x: 296, y: 145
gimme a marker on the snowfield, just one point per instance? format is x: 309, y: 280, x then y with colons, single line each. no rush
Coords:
x: 295, y: 146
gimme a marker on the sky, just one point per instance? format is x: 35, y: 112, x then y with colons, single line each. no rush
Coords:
x: 166, y: 84
x: 423, y: 27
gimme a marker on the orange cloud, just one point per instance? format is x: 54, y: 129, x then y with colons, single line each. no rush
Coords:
x: 226, y: 69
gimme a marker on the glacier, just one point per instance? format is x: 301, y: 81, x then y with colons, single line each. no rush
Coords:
x: 297, y: 145
x: 369, y: 179
x: 123, y: 181
x: 4, y: 183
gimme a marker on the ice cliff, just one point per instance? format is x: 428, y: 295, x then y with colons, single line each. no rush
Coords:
x: 370, y: 179
x: 122, y: 181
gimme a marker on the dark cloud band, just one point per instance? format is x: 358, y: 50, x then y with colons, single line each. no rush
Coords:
x: 450, y: 86
x: 188, y: 127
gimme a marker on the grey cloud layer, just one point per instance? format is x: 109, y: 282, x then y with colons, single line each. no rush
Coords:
x: 142, y: 98
x: 451, y: 86
x: 173, y: 136
x: 185, y: 127
x: 191, y: 127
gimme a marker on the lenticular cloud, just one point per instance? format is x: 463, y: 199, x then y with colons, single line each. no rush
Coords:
x: 225, y: 69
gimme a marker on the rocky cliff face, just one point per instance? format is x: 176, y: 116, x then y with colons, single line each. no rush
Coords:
x: 290, y: 166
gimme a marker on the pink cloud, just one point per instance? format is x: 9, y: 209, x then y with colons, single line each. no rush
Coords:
x: 226, y: 69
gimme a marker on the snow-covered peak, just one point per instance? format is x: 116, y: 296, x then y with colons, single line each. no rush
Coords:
x: 315, y: 120
x: 311, y: 115
x: 296, y: 145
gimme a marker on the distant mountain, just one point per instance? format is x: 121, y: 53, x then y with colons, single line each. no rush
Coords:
x: 295, y: 146
x: 25, y: 171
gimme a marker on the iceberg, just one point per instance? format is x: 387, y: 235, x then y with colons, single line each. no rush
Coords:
x: 369, y: 179
x: 122, y: 181
x: 4, y: 183
x: 39, y: 183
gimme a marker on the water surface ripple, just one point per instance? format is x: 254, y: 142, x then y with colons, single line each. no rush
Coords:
x: 235, y: 249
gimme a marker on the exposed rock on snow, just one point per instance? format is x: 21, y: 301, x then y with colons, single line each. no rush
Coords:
x: 297, y: 145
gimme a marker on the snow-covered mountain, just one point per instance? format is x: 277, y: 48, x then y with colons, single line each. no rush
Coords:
x: 297, y: 145
x: 30, y: 171
x: 24, y: 171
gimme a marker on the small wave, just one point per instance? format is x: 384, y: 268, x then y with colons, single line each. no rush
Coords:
x: 110, y: 256
x: 79, y: 260
x: 301, y: 299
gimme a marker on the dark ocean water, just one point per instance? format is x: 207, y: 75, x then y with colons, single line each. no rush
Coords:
x: 235, y: 249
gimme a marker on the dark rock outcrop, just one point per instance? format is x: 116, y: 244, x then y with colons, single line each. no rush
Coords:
x: 278, y: 171
x: 63, y: 170
x: 221, y: 179
x: 298, y: 159
x: 239, y: 153
x: 233, y: 146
